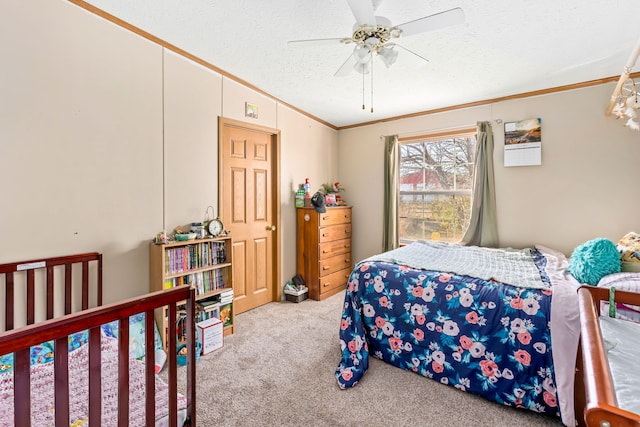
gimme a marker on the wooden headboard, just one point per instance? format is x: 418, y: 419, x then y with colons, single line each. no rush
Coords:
x: 24, y: 273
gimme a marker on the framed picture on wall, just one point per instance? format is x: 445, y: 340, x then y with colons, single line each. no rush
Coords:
x: 250, y: 110
x: 523, y: 143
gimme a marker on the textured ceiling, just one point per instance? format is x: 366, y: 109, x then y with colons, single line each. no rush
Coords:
x: 505, y: 47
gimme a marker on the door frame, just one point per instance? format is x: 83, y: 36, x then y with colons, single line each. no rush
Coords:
x: 275, y: 188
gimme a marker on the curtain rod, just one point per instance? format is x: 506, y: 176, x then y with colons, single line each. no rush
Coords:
x: 463, y: 126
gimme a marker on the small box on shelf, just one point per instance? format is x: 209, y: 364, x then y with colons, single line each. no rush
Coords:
x: 210, y: 335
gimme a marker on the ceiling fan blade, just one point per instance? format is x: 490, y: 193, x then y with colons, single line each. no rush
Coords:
x: 346, y: 68
x: 433, y: 22
x: 410, y: 59
x: 363, y: 11
x: 333, y: 41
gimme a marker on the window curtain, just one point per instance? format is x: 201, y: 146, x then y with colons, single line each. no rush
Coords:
x: 483, y: 227
x: 390, y: 238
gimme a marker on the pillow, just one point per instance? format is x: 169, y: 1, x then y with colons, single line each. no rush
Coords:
x: 593, y: 260
x: 629, y: 248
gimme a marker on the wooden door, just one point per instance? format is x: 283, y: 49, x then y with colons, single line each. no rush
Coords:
x: 249, y: 209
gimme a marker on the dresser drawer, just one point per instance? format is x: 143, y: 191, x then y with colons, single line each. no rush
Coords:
x: 335, y: 216
x: 334, y: 280
x: 333, y: 264
x: 336, y: 247
x: 334, y: 232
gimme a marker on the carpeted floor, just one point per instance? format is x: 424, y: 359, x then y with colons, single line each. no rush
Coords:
x: 278, y: 370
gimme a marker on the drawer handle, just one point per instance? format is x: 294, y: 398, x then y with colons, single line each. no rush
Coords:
x: 347, y: 231
x: 347, y: 261
x: 325, y: 234
x: 325, y: 218
x: 326, y: 267
x: 325, y: 251
x: 326, y: 284
x: 347, y: 246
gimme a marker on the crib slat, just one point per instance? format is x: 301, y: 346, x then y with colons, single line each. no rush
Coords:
x: 150, y: 382
x: 67, y: 289
x: 191, y: 360
x: 123, y: 373
x: 61, y: 364
x: 95, y: 378
x: 50, y: 296
x: 8, y: 321
x: 173, y: 368
x: 31, y: 298
x: 22, y: 388
x: 85, y: 285
x: 99, y: 279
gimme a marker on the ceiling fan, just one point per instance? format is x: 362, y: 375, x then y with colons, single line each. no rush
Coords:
x: 374, y: 35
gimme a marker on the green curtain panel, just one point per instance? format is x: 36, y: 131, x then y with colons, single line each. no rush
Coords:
x: 390, y: 238
x: 483, y: 228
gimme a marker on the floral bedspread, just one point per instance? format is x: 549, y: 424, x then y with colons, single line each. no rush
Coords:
x: 480, y: 336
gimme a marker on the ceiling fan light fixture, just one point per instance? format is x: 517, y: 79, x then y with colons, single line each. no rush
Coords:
x: 388, y: 55
x: 362, y: 68
x: 361, y: 54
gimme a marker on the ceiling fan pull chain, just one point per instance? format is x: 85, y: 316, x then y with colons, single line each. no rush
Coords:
x: 372, y: 82
x: 362, y: 91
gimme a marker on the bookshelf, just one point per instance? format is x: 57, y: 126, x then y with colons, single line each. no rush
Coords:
x: 206, y: 265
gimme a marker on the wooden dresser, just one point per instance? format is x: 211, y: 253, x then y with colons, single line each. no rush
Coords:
x: 324, y: 250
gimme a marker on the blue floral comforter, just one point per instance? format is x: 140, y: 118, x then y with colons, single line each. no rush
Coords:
x: 477, y: 335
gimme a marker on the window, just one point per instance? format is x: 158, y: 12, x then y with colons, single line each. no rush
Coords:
x: 436, y: 183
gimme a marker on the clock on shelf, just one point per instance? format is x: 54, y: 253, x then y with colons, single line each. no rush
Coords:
x: 213, y: 227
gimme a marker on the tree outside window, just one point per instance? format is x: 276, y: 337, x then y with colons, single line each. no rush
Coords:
x: 436, y: 180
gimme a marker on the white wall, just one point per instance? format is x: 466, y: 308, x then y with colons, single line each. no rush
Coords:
x: 586, y: 186
x: 192, y: 96
x: 308, y: 151
x: 80, y: 139
x: 107, y: 138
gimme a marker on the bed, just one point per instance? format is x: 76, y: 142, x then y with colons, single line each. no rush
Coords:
x: 489, y: 328
x: 68, y: 359
x: 607, y: 377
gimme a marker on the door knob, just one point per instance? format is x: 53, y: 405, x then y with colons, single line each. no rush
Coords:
x: 271, y: 228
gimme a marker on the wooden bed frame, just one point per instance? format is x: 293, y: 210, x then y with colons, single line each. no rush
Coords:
x: 19, y: 340
x: 596, y: 403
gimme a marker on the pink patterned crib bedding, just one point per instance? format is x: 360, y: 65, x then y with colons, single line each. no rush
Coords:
x: 42, y: 391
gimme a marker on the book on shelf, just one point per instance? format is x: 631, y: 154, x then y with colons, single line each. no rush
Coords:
x: 202, y: 281
x: 225, y: 314
x: 192, y: 256
x: 208, y: 308
x: 226, y: 297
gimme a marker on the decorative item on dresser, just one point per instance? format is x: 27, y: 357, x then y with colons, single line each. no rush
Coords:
x: 324, y: 249
x: 204, y: 264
